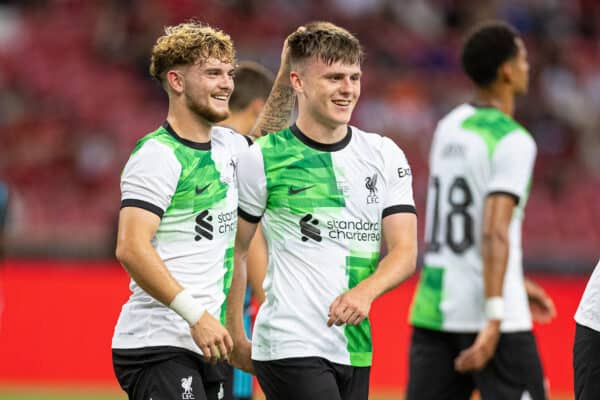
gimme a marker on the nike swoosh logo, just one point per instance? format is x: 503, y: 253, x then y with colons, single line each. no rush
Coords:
x: 292, y: 190
x: 201, y: 190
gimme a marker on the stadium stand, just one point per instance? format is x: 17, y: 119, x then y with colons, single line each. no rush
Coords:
x: 75, y: 95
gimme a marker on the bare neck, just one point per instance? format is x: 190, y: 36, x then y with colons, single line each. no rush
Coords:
x: 497, y: 96
x: 188, y: 124
x: 320, y: 132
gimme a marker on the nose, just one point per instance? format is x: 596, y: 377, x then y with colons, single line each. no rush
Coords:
x: 227, y: 82
x: 346, y: 86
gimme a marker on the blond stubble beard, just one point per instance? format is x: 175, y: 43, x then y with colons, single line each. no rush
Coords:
x: 205, y: 111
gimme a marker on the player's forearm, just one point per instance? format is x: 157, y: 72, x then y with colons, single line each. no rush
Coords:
x: 495, y: 249
x: 257, y: 265
x: 235, y: 298
x: 393, y: 269
x: 147, y: 269
x: 278, y: 109
x: 400, y: 235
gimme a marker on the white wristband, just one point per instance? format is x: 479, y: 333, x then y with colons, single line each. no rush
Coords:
x: 187, y: 306
x: 494, y: 308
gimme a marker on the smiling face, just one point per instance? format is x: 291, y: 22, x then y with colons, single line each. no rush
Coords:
x: 206, y: 87
x: 327, y: 93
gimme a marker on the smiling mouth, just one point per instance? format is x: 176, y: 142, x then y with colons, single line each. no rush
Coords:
x: 342, y: 103
x: 222, y: 97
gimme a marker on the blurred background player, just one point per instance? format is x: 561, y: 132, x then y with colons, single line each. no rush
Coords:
x: 586, y: 350
x: 253, y: 84
x: 472, y: 323
x: 328, y: 194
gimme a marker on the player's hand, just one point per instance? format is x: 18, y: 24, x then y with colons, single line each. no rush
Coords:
x: 481, y: 351
x: 212, y: 338
x: 540, y: 304
x: 285, y: 67
x: 351, y: 307
x: 240, y: 357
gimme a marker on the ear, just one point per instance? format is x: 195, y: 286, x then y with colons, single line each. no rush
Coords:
x: 505, y: 72
x: 296, y: 82
x: 175, y: 81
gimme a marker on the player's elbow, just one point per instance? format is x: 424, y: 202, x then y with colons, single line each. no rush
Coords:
x: 494, y: 237
x: 407, y: 262
x: 125, y: 252
x: 495, y: 243
x: 411, y: 265
x: 121, y: 253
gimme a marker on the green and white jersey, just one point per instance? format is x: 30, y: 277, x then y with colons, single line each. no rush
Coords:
x: 321, y: 207
x: 192, y: 187
x: 475, y: 152
x: 588, y: 312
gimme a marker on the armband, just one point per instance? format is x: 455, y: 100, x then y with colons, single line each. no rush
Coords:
x: 187, y: 306
x: 494, y: 308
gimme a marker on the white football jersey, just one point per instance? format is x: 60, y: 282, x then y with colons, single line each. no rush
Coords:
x: 321, y: 207
x: 475, y: 152
x: 588, y: 312
x: 192, y: 187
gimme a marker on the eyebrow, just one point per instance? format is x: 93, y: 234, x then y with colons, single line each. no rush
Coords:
x: 337, y: 74
x: 218, y: 69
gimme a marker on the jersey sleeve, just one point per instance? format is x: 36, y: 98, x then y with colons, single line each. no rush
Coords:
x: 512, y: 165
x: 252, y: 185
x: 399, y: 193
x: 150, y: 178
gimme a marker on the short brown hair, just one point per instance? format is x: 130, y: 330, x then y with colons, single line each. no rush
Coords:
x: 252, y: 81
x: 188, y: 43
x: 325, y: 41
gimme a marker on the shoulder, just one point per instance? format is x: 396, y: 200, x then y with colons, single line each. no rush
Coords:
x: 491, y: 122
x: 152, y: 166
x: 152, y: 157
x: 159, y: 145
x: 230, y: 138
x: 152, y: 145
x: 369, y: 139
x: 457, y: 115
x: 517, y: 141
x: 377, y: 143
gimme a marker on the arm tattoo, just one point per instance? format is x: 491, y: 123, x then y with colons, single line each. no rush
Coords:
x: 277, y: 111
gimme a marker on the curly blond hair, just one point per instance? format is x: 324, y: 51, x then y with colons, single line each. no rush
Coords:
x: 188, y: 43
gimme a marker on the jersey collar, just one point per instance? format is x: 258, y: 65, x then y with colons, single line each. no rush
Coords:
x: 322, y: 146
x: 186, y: 142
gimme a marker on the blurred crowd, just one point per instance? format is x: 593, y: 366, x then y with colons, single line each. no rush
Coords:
x: 75, y: 95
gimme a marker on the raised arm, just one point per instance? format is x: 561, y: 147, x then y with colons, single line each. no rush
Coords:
x: 277, y: 111
x: 400, y: 236
x: 134, y: 251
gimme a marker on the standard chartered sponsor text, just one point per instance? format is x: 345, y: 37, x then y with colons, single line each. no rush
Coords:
x: 358, y: 230
x: 227, y: 221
